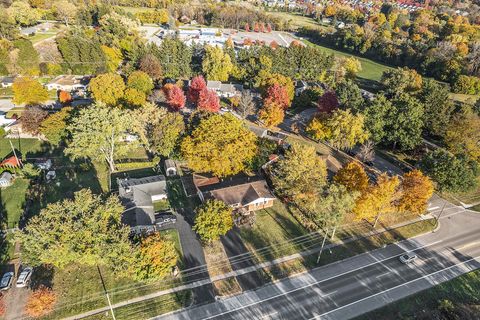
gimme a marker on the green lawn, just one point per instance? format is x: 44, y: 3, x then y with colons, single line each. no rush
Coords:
x: 162, y: 205
x: 273, y: 228
x: 13, y: 201
x: 23, y: 146
x: 298, y: 21
x: 371, y: 70
x: 149, y: 308
x: 41, y: 36
x: 462, y: 290
x: 172, y: 235
x: 6, y: 92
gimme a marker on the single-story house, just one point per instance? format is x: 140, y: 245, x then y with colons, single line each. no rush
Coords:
x: 243, y: 193
x: 68, y: 83
x: 6, y: 82
x: 140, y: 194
x: 225, y: 90
x: 170, y: 168
x: 6, y: 179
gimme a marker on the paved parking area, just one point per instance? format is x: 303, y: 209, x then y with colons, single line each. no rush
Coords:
x: 283, y: 39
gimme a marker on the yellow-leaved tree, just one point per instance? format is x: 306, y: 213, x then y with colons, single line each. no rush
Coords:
x: 416, y: 190
x: 220, y: 144
x: 353, y: 177
x: 378, y: 199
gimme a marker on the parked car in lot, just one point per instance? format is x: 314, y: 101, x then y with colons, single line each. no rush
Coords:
x: 6, y: 281
x: 408, y: 257
x: 24, y: 277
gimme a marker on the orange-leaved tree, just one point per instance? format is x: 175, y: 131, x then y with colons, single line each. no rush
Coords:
x: 417, y: 189
x: 40, y: 302
x: 353, y: 177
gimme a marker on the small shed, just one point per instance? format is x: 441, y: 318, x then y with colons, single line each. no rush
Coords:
x: 170, y: 168
x: 6, y: 179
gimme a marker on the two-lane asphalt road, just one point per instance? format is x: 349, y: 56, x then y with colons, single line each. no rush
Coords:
x: 359, y: 284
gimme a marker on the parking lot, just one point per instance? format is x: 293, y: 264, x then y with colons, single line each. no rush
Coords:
x: 283, y: 39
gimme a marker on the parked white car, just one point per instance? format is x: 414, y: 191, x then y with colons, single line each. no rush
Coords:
x: 6, y: 281
x: 24, y: 277
x: 408, y: 257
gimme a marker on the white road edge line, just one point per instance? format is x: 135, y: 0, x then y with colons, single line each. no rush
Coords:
x: 397, y: 286
x: 317, y: 282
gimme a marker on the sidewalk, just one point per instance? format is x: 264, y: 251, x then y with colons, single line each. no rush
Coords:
x: 243, y: 271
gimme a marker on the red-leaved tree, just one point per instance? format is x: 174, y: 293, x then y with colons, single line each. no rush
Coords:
x: 256, y: 27
x: 269, y: 27
x: 247, y: 42
x: 328, y: 102
x: 247, y: 27
x: 277, y: 94
x: 175, y: 98
x: 262, y: 27
x: 197, y: 85
x: 208, y: 101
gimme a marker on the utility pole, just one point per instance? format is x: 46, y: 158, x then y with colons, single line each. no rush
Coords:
x: 14, y: 153
x: 323, y: 244
x: 106, y: 293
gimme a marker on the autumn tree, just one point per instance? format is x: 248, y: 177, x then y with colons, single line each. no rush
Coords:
x: 277, y: 94
x: 417, y: 189
x: 28, y: 91
x: 197, y: 85
x: 159, y: 130
x: 216, y: 64
x: 271, y: 114
x: 134, y: 97
x: 220, y: 144
x: 267, y: 79
x: 208, y: 100
x: 353, y: 177
x: 300, y: 175
x: 140, y: 81
x: 175, y: 98
x: 155, y: 259
x: 378, y: 199
x: 54, y: 127
x: 462, y: 135
x: 212, y: 220
x: 86, y: 230
x: 107, y: 88
x: 32, y: 118
x: 328, y: 102
x: 40, y: 302
x: 97, y: 133
x: 401, y: 80
x: 151, y: 66
x: 64, y: 97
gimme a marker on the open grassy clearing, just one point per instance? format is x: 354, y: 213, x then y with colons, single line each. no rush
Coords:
x: 461, y: 290
x: 136, y: 9
x: 37, y: 37
x: 297, y: 20
x: 24, y: 147
x: 371, y: 70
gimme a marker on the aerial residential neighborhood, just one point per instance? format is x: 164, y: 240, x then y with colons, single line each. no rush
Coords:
x: 256, y: 159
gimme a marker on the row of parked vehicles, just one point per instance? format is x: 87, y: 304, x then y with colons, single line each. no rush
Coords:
x: 22, y: 281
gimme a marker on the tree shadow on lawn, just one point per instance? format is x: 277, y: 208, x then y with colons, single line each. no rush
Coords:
x: 71, y: 176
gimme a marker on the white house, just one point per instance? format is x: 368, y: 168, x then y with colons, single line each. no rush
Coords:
x: 170, y: 168
x: 6, y: 82
x: 68, y: 83
x: 225, y: 90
